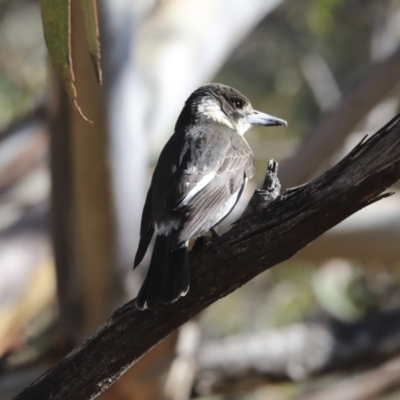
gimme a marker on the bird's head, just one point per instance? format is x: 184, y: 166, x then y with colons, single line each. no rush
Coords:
x: 224, y: 105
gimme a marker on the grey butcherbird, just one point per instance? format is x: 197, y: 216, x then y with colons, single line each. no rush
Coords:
x: 198, y: 180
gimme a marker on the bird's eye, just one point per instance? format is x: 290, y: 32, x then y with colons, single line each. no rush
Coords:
x: 239, y: 103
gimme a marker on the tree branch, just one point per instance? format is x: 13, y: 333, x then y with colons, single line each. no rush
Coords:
x: 268, y: 233
x: 371, y: 234
x: 373, y: 384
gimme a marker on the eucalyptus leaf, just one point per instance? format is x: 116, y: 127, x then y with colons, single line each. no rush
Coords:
x: 89, y: 8
x: 56, y: 19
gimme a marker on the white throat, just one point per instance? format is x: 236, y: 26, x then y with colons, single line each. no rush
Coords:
x: 242, y: 126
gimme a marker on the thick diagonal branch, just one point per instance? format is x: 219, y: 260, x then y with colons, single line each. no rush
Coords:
x: 269, y: 233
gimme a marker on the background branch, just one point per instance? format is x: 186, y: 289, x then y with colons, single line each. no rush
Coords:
x: 368, y: 385
x: 297, y: 352
x: 341, y: 120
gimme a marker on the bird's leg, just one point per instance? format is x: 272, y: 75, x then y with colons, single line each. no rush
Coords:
x: 214, y: 233
x: 202, y: 241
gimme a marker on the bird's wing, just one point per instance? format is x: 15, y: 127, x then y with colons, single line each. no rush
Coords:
x: 220, y: 190
x: 206, y: 186
x: 200, y: 169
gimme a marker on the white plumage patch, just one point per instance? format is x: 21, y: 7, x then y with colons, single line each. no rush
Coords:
x: 166, y: 229
x: 199, y: 186
x: 242, y: 126
x: 211, y: 109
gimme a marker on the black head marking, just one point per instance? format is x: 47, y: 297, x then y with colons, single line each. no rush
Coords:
x: 222, y: 103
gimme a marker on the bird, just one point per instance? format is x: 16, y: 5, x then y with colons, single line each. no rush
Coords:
x: 198, y: 180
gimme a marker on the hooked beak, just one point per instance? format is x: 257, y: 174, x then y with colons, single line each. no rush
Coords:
x: 259, y: 118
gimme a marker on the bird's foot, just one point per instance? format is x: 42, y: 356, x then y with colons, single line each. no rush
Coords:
x: 214, y: 233
x: 200, y: 242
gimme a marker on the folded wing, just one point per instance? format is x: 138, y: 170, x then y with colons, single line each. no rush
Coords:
x: 208, y: 181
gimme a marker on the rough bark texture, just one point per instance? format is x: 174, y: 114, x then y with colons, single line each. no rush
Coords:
x: 269, y: 232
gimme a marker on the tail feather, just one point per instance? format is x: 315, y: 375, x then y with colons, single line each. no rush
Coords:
x: 158, y: 271
x: 177, y: 284
x: 168, y: 275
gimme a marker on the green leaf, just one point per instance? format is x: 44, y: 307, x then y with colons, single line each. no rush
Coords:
x: 56, y: 19
x: 89, y: 8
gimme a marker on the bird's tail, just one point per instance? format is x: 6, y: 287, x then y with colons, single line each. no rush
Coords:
x: 168, y: 275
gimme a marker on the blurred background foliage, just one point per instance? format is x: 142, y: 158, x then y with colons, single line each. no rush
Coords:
x: 299, y: 60
x: 23, y: 68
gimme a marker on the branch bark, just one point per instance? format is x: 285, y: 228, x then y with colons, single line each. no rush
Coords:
x: 269, y: 232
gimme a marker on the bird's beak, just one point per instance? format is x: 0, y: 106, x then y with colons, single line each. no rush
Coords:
x: 259, y: 118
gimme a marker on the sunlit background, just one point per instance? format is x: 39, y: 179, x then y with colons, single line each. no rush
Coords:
x: 318, y: 327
